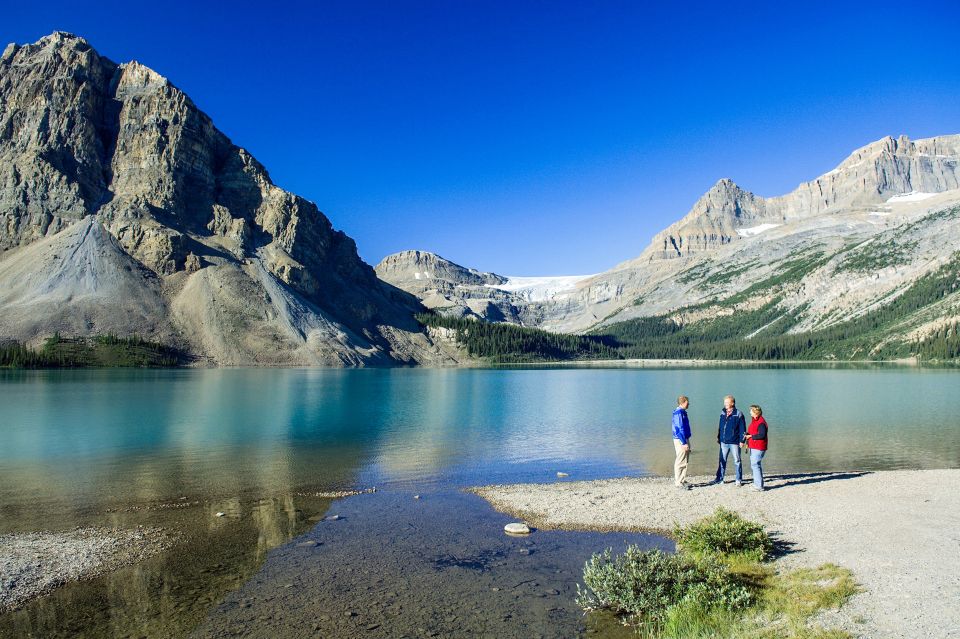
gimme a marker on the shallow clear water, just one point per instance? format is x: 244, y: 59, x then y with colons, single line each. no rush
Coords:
x: 90, y: 436
x: 119, y: 447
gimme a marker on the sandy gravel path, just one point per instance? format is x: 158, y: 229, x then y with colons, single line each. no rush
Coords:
x: 898, y: 531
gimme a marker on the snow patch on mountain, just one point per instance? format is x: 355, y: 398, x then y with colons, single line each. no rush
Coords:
x: 756, y: 230
x: 540, y: 289
x: 912, y: 196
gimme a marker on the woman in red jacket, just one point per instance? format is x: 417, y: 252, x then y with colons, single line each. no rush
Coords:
x: 757, y: 441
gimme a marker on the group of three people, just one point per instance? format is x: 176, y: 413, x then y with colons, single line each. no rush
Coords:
x: 732, y: 432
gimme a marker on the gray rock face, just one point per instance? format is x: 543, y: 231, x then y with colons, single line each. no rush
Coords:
x: 424, y: 266
x: 712, y: 222
x: 451, y: 289
x: 83, y: 136
x: 870, y: 176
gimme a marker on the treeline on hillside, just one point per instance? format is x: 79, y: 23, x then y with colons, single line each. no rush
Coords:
x: 761, y: 334
x: 758, y: 334
x: 103, y: 351
x: 502, y: 342
x: 943, y: 344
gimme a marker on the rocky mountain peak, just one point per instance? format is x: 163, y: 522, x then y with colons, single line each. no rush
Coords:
x: 56, y: 43
x: 867, y: 177
x: 415, y: 265
x: 82, y: 136
x: 136, y: 75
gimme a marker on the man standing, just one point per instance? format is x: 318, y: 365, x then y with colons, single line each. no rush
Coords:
x: 681, y: 442
x: 730, y: 433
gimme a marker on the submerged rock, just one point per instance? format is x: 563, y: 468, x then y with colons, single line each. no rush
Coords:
x: 310, y: 543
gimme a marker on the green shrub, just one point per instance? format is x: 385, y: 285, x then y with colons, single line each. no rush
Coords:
x: 725, y: 534
x: 644, y: 585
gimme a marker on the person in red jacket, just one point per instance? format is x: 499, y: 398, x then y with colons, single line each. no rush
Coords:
x: 757, y: 438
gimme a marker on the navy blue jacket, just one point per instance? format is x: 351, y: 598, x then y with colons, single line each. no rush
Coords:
x: 681, y: 425
x: 732, y: 428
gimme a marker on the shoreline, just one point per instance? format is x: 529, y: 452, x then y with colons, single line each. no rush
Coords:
x: 33, y: 564
x: 898, y: 531
x: 672, y: 363
x: 577, y: 363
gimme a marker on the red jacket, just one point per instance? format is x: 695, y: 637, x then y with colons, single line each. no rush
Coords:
x: 758, y: 434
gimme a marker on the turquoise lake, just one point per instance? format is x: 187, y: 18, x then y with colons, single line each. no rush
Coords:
x: 122, y: 447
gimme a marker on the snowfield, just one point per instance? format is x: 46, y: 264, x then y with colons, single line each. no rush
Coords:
x: 540, y: 289
x: 756, y: 230
x: 912, y: 196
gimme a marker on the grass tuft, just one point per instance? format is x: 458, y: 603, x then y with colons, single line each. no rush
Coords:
x: 717, y: 586
x: 725, y: 534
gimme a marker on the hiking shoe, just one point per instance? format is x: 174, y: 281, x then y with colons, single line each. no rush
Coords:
x: 739, y: 484
x: 683, y: 486
x: 756, y: 490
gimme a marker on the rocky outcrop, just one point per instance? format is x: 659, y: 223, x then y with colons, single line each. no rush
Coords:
x: 83, y: 136
x: 869, y: 176
x: 449, y: 288
x: 416, y: 266
x: 712, y: 222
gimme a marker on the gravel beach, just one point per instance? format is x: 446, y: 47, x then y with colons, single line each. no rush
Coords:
x: 32, y: 564
x: 898, y: 531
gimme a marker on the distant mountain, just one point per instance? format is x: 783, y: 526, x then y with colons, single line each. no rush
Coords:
x: 861, y: 262
x: 126, y: 211
x: 458, y: 291
x: 868, y: 177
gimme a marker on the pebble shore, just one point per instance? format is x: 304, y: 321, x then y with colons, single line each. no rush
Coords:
x: 898, y: 531
x: 32, y: 564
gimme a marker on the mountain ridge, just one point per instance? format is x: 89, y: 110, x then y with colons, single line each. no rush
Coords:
x: 81, y: 135
x: 837, y: 248
x: 127, y: 211
x: 899, y: 166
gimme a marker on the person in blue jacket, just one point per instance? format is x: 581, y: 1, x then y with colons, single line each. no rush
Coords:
x: 730, y: 434
x: 681, y: 442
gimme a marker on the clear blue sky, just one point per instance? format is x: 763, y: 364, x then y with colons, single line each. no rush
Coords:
x: 534, y: 138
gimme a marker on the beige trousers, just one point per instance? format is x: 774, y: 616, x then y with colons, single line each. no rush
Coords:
x: 680, y: 465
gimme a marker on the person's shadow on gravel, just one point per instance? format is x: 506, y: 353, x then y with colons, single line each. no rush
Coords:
x: 800, y: 479
x: 782, y: 547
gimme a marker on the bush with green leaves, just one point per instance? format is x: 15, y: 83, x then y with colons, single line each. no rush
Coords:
x: 645, y: 584
x: 725, y: 534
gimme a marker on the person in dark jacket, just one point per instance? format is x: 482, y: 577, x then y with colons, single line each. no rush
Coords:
x: 730, y: 434
x: 681, y: 442
x: 757, y: 438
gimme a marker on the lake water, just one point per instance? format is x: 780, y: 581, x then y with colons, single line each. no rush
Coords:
x: 172, y: 447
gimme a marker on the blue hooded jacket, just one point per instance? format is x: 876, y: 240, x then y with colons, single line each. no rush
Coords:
x: 732, y: 428
x: 681, y: 425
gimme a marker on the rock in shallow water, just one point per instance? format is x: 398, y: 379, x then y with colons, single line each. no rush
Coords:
x: 310, y: 543
x: 517, y: 528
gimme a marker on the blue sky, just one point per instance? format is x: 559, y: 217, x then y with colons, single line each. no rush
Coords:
x: 535, y: 138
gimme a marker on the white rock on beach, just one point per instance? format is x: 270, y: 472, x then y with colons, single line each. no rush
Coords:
x: 517, y: 528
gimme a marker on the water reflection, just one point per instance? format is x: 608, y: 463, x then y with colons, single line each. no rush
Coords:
x: 167, y: 595
x: 126, y: 448
x: 79, y: 439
